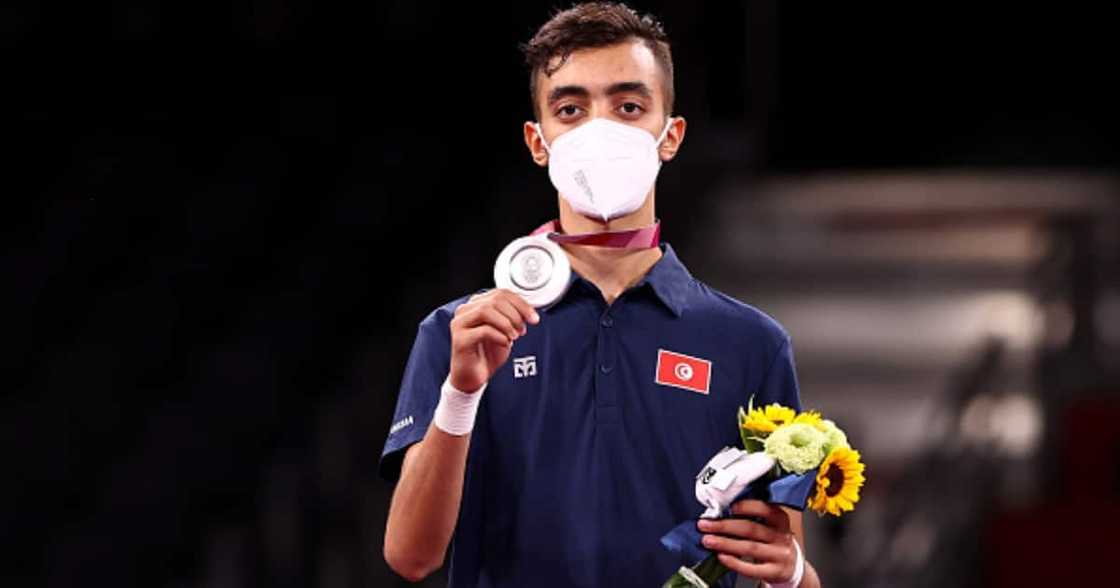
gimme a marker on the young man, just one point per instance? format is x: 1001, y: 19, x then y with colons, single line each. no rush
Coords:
x: 584, y: 449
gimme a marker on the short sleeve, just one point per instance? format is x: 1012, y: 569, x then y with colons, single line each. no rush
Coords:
x: 427, y: 368
x: 780, y: 382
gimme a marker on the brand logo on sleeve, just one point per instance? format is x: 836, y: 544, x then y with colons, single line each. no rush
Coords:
x: 683, y: 371
x: 524, y: 367
x: 397, y: 426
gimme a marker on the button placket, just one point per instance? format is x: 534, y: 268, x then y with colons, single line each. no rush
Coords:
x: 605, y: 361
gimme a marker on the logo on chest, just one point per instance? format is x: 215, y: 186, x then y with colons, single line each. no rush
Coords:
x: 523, y: 367
x: 683, y: 371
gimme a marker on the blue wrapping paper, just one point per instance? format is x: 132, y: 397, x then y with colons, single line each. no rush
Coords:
x: 684, y: 541
x: 790, y: 490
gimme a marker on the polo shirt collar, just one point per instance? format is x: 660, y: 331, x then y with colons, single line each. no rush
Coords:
x: 668, y: 279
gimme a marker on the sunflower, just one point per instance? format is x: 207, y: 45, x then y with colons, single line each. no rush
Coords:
x: 765, y: 420
x: 838, y: 482
x: 810, y: 417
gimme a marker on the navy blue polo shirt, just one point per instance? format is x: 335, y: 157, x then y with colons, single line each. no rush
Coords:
x: 580, y: 460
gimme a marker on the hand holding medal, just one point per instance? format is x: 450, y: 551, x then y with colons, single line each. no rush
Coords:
x: 531, y: 272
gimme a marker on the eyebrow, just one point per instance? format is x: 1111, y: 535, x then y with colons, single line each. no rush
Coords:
x: 560, y: 92
x: 630, y: 88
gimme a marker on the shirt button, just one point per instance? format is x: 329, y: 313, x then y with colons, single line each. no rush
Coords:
x: 607, y: 322
x: 606, y: 369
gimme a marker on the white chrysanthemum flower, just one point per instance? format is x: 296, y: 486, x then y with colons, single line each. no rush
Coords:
x: 797, y: 447
x: 836, y: 437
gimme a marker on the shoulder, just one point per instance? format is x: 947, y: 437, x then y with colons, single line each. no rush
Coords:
x: 743, y: 322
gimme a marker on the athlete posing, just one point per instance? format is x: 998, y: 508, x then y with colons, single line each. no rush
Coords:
x: 564, y: 467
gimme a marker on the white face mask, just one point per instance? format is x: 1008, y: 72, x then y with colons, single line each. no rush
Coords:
x: 604, y: 169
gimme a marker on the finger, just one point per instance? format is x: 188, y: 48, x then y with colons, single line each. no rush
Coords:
x: 761, y: 552
x: 477, y: 317
x: 484, y: 333
x: 487, y: 315
x: 765, y: 571
x: 474, y: 299
x: 504, y: 306
x: 741, y: 528
x: 491, y: 316
x: 524, y: 308
x: 482, y: 295
x: 772, y: 515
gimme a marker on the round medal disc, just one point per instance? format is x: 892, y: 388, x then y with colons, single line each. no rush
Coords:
x: 536, y: 268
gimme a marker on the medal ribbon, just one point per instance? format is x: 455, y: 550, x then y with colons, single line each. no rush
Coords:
x: 639, y: 238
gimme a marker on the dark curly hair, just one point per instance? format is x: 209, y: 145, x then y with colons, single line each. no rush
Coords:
x: 593, y: 25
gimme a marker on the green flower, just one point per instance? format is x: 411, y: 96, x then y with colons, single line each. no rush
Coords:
x: 797, y: 447
x: 836, y: 437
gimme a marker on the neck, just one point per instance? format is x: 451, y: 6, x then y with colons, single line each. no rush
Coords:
x: 612, y: 270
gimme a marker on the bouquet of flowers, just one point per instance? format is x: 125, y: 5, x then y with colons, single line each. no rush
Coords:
x: 799, y: 460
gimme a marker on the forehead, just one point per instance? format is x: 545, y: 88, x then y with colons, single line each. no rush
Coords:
x: 599, y: 67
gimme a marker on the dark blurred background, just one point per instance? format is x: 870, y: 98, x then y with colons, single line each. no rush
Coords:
x: 224, y: 221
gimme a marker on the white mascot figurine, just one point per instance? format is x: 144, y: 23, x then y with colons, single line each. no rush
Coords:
x: 725, y: 476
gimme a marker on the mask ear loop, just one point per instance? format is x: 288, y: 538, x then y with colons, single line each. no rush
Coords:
x: 540, y: 134
x: 664, y: 132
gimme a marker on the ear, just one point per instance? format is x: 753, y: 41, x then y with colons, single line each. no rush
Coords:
x: 673, y: 139
x: 535, y: 144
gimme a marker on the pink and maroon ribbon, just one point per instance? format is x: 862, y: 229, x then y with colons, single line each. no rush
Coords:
x: 639, y: 238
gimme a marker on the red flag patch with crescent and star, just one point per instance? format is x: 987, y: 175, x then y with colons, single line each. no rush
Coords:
x: 683, y: 371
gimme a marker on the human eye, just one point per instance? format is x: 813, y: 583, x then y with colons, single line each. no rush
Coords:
x: 631, y: 109
x: 568, y: 112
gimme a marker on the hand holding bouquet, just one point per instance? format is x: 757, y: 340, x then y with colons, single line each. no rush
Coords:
x: 792, y: 459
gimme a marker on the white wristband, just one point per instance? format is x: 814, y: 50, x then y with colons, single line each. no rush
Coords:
x: 456, y: 409
x: 798, y: 571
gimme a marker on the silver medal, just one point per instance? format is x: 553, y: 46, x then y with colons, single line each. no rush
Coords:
x: 534, y: 267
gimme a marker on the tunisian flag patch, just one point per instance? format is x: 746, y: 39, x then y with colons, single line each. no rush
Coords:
x: 683, y: 371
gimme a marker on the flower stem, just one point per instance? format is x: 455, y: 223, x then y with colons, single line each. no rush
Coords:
x: 710, y: 571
